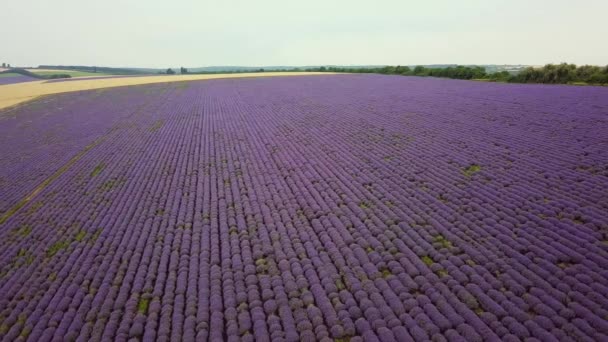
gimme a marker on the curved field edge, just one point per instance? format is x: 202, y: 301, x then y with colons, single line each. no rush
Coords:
x: 14, y: 94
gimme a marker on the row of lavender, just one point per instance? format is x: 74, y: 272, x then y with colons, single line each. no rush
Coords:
x: 322, y: 207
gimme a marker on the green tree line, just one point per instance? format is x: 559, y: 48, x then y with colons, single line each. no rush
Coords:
x: 563, y: 73
x: 555, y: 74
x: 459, y: 72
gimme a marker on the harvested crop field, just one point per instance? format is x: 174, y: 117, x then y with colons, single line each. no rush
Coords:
x: 344, y: 207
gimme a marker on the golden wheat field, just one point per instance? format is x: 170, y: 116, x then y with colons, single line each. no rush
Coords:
x: 12, y: 94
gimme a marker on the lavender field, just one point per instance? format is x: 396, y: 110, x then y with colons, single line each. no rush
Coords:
x: 304, y: 208
x: 11, y: 78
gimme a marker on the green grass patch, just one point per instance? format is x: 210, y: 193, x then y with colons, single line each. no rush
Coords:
x: 364, y: 205
x: 142, y: 305
x: 80, y: 236
x: 25, y: 332
x: 97, y: 170
x: 471, y: 170
x: 385, y: 273
x: 443, y: 241
x: 56, y: 247
x: 260, y: 262
x: 427, y: 260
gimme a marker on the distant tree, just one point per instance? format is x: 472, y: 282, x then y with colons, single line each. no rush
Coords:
x: 94, y: 69
x: 4, y: 65
x: 322, y: 69
x: 502, y: 76
x: 261, y: 70
x: 170, y: 71
x: 419, y: 70
x: 8, y: 65
x: 183, y: 70
x: 388, y: 70
x: 598, y: 78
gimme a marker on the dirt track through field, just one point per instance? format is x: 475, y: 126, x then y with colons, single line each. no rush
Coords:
x: 13, y: 94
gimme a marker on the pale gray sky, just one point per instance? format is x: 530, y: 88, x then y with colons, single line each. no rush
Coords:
x: 161, y: 33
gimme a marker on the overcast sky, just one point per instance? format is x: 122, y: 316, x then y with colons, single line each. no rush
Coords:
x: 192, y: 33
